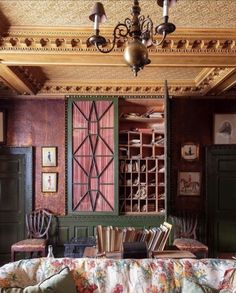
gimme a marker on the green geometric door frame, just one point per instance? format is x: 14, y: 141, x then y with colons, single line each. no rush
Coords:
x: 92, y: 155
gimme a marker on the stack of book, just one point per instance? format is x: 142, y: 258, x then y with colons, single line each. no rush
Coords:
x: 110, y: 239
x: 158, y: 237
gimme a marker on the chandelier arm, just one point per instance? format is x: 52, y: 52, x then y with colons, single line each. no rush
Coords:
x: 161, y: 41
x: 141, y: 18
x: 128, y: 23
x: 121, y: 30
x: 105, y: 50
x: 146, y: 27
x: 146, y: 24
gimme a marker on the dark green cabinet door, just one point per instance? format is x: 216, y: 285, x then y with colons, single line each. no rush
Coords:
x: 221, y: 199
x: 92, y: 155
x: 15, y: 196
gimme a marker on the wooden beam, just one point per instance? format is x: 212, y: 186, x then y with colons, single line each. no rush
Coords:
x: 15, y: 82
x: 39, y: 58
x: 225, y: 84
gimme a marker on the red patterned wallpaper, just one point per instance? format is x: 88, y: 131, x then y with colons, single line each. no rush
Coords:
x: 40, y: 123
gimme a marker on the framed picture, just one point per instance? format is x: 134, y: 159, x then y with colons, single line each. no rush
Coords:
x: 190, y: 151
x: 49, y: 156
x: 2, y: 128
x: 189, y: 183
x: 225, y: 128
x: 49, y: 182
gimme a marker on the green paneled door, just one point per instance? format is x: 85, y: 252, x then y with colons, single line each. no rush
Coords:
x: 221, y: 198
x: 15, y: 196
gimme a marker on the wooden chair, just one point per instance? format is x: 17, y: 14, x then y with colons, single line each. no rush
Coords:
x: 38, y: 223
x: 185, y: 234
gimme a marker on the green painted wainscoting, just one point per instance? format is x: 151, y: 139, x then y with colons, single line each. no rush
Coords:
x: 83, y: 226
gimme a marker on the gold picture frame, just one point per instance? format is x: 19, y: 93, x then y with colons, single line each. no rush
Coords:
x: 190, y: 151
x: 49, y: 182
x: 49, y: 156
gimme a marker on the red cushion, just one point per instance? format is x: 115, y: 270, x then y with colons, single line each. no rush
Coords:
x: 27, y: 243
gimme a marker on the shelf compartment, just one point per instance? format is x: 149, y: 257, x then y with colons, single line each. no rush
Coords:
x: 145, y: 140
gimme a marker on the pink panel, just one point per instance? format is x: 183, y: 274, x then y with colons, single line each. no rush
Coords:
x: 80, y: 136
x: 93, y: 116
x: 93, y: 127
x: 80, y: 165
x: 99, y: 142
x: 94, y: 183
x: 108, y: 137
x: 102, y: 106
x: 93, y: 143
x: 93, y: 172
x: 101, y: 148
x: 108, y: 175
x: 80, y: 120
x: 108, y: 192
x: 78, y: 192
x: 108, y: 119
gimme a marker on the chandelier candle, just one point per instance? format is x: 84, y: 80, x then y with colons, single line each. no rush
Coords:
x: 138, y: 33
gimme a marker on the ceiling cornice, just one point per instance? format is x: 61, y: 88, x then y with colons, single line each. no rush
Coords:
x: 213, y: 50
x: 182, y: 39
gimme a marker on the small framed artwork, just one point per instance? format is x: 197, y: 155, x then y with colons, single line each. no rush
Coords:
x: 225, y: 129
x: 2, y: 128
x: 49, y: 182
x: 190, y: 151
x: 49, y: 156
x: 189, y: 183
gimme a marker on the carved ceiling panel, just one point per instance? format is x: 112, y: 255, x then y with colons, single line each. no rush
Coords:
x: 44, y: 50
x: 83, y: 73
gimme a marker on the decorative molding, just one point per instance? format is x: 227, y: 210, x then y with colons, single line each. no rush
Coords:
x: 174, y: 89
x: 32, y: 77
x: 211, y: 80
x: 214, y: 78
x: 41, y: 45
x: 204, y: 43
x: 226, y: 84
x: 212, y: 50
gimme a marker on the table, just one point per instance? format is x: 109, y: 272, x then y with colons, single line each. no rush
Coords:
x: 92, y: 252
x: 173, y: 254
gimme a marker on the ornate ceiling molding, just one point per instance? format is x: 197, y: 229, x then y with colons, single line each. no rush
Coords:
x: 86, y: 88
x: 25, y: 52
x: 183, y: 41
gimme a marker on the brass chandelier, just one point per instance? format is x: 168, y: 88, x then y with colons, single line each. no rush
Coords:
x: 138, y: 31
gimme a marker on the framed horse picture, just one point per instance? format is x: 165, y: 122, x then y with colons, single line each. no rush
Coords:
x: 189, y: 183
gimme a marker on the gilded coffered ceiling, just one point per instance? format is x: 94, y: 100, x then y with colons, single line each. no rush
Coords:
x: 44, y: 50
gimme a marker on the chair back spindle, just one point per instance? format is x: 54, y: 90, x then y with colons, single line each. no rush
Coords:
x: 38, y: 224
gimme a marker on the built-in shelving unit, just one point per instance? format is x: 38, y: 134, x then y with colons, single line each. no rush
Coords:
x: 141, y: 156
